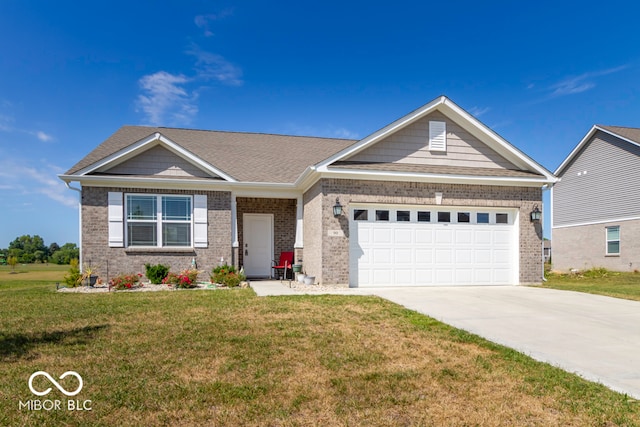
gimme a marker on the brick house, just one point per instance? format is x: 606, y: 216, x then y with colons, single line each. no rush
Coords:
x: 434, y: 198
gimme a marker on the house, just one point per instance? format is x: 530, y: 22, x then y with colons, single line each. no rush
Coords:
x: 596, y: 203
x: 434, y: 198
x: 546, y: 247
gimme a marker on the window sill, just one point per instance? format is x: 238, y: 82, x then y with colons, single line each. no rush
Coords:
x: 612, y: 255
x: 154, y: 250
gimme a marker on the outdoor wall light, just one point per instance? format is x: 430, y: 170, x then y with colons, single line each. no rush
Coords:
x: 536, y: 214
x: 337, y: 208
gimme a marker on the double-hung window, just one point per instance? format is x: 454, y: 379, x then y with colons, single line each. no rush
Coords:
x: 159, y: 221
x: 613, y: 240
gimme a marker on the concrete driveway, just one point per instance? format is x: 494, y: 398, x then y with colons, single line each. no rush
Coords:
x: 594, y: 336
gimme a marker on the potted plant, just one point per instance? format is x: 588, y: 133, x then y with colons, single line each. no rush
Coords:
x: 90, y: 274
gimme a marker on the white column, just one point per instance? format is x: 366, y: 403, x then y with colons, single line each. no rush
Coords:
x: 234, y: 221
x: 299, y: 244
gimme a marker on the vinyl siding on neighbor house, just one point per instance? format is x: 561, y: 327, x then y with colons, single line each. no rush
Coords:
x: 602, y: 183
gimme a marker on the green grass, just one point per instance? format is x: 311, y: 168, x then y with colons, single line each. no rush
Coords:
x: 231, y: 358
x: 598, y: 281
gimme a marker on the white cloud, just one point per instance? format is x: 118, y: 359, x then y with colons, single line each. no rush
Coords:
x: 20, y: 177
x: 478, y: 111
x: 44, y: 137
x: 204, y: 21
x: 582, y: 83
x: 211, y: 66
x: 165, y: 100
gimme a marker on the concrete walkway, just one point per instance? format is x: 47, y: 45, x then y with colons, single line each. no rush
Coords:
x: 594, y: 336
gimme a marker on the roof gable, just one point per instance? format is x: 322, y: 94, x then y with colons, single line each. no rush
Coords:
x: 628, y: 135
x: 484, y: 141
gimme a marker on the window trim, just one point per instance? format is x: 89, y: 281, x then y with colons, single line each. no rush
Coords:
x: 607, y: 240
x: 159, y: 221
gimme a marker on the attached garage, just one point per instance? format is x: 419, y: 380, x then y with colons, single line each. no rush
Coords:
x: 432, y: 246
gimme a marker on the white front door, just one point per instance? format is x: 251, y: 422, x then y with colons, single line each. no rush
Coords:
x: 257, y: 244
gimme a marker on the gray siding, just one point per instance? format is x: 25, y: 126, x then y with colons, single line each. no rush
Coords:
x: 411, y: 145
x: 610, y: 188
x: 158, y: 161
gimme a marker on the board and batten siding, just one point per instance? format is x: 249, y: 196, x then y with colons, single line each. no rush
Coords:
x: 601, y: 184
x: 411, y: 146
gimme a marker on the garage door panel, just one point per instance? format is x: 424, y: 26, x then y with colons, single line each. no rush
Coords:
x: 388, y: 253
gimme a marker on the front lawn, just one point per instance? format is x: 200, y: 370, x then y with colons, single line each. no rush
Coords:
x: 229, y: 358
x: 598, y: 281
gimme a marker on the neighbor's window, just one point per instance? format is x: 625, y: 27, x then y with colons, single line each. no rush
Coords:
x: 403, y: 216
x: 360, y: 215
x: 163, y: 221
x: 613, y: 240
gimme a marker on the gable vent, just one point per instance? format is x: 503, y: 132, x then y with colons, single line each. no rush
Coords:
x: 437, y: 136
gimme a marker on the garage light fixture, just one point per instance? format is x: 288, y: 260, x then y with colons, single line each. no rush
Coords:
x: 536, y: 214
x: 337, y: 208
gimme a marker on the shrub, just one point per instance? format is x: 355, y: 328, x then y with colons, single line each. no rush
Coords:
x: 156, y: 273
x: 185, y: 280
x: 126, y: 281
x: 227, y: 275
x: 73, y: 278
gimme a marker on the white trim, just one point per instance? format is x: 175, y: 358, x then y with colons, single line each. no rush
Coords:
x: 234, y: 221
x: 580, y: 224
x: 150, y: 142
x: 585, y: 140
x: 299, y: 243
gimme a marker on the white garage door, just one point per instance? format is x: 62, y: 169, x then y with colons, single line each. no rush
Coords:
x: 432, y: 246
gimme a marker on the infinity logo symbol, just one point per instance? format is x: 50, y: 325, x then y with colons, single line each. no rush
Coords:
x: 55, y: 383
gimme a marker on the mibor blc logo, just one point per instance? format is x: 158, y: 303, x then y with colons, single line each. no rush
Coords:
x: 55, y: 405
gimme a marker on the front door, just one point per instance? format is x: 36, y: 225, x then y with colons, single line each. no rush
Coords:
x: 257, y: 244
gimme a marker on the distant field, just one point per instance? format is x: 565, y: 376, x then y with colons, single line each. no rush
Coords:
x: 33, y: 273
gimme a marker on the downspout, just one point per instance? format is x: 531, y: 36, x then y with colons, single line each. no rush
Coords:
x: 79, y: 190
x: 545, y: 187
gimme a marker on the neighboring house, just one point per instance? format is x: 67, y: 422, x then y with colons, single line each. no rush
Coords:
x: 596, y: 203
x: 546, y: 248
x: 434, y: 198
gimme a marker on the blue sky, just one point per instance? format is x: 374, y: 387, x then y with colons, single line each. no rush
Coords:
x: 71, y: 73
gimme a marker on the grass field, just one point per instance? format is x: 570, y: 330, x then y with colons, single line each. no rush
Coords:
x: 598, y: 281
x: 229, y: 358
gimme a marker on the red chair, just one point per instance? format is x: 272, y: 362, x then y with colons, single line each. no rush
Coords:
x: 284, y: 265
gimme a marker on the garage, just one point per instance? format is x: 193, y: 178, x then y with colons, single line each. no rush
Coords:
x: 432, y: 246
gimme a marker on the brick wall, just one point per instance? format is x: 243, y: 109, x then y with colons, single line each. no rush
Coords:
x: 313, y: 235
x: 284, y: 221
x: 96, y: 250
x: 334, y: 252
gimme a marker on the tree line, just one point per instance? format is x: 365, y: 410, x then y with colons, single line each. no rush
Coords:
x: 28, y: 249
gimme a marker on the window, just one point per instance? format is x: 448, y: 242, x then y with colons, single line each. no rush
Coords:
x: 360, y: 215
x: 482, y: 218
x: 613, y: 240
x: 162, y: 221
x: 464, y: 217
x: 502, y: 218
x: 403, y: 216
x: 424, y: 216
x: 382, y: 215
x: 444, y: 216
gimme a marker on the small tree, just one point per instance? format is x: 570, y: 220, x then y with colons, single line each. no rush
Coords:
x: 12, y: 261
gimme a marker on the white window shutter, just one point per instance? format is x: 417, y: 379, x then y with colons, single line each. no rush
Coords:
x: 437, y: 136
x: 116, y: 220
x: 200, y: 221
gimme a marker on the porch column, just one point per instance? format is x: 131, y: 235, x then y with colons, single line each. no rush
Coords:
x: 299, y: 243
x: 234, y: 231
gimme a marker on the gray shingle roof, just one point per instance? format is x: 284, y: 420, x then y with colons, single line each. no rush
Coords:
x: 629, y: 133
x: 247, y: 157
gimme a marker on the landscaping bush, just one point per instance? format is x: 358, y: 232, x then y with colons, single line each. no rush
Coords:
x: 156, y: 273
x: 185, y: 280
x: 126, y: 281
x: 227, y: 275
x: 73, y: 278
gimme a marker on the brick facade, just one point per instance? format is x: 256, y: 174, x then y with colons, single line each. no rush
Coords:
x: 328, y: 257
x: 113, y: 261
